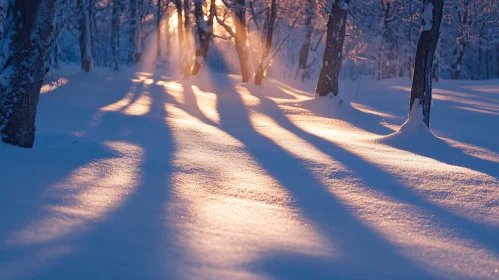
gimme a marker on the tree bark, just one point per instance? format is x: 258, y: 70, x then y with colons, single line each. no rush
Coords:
x: 24, y: 70
x: 423, y: 66
x: 457, y: 63
x: 158, y: 30
x: 336, y: 26
x: 241, y: 38
x: 205, y: 30
x: 91, y: 21
x: 115, y: 33
x: 55, y: 37
x: 134, y: 31
x: 497, y: 59
x: 84, y: 28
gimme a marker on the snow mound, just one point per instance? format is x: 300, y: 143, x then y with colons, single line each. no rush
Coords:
x: 329, y: 106
x: 414, y: 136
x: 413, y: 131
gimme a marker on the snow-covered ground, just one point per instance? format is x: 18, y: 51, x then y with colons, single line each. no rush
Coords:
x: 136, y: 175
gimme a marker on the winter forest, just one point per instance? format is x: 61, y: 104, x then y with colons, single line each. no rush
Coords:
x: 249, y: 139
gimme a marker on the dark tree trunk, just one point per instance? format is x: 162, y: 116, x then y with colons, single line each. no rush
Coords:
x: 497, y: 60
x: 91, y: 24
x: 55, y: 36
x: 269, y: 36
x: 115, y: 33
x: 478, y: 74
x: 423, y: 66
x: 336, y: 26
x: 83, y: 25
x: 134, y: 31
x: 241, y: 38
x: 25, y: 69
x: 487, y: 66
x: 205, y: 30
x: 187, y: 38
x: 158, y: 30
x: 457, y: 63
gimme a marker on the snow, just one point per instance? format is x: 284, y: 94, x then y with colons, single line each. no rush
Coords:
x: 427, y: 16
x: 139, y: 175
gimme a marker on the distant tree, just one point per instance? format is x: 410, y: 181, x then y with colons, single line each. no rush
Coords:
x: 116, y: 10
x: 307, y: 43
x: 184, y: 59
x: 26, y: 35
x: 205, y: 31
x: 134, y: 32
x: 267, y: 43
x: 421, y: 92
x: 85, y: 39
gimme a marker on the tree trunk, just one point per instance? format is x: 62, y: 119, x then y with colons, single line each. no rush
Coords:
x: 134, y: 31
x: 158, y: 30
x: 305, y: 48
x: 187, y: 37
x: 115, y: 33
x: 336, y: 26
x: 479, y: 63
x: 167, y: 31
x: 140, y: 33
x: 269, y: 32
x: 55, y: 37
x: 457, y: 63
x: 184, y: 63
x: 84, y: 28
x: 91, y: 21
x: 497, y: 59
x: 24, y: 70
x: 487, y: 66
x: 423, y: 66
x: 241, y: 38
x: 205, y: 30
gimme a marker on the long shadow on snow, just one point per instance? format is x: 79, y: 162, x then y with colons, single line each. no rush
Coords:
x: 24, y: 189
x: 127, y: 245
x: 56, y: 154
x: 80, y: 100
x: 191, y: 104
x: 385, y: 182
x: 362, y: 252
x: 355, y: 117
x: 438, y: 149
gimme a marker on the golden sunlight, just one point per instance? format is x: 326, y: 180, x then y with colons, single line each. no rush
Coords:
x: 87, y: 195
x: 234, y: 197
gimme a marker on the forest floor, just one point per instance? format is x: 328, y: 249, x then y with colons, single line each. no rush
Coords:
x: 137, y: 175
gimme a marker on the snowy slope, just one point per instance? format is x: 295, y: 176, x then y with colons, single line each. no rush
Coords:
x: 136, y: 175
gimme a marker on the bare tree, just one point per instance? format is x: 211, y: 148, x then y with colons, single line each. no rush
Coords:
x: 267, y: 43
x: 84, y: 28
x: 184, y: 62
x: 423, y: 65
x: 205, y: 31
x: 240, y: 37
x: 115, y: 32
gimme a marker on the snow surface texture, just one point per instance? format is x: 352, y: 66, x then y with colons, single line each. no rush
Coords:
x: 136, y: 175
